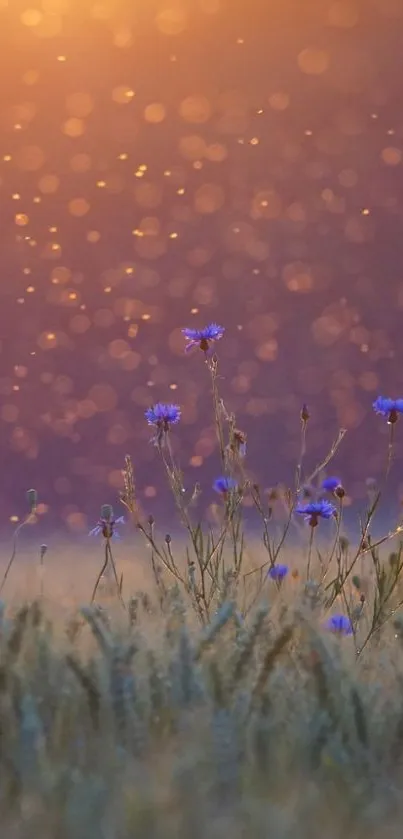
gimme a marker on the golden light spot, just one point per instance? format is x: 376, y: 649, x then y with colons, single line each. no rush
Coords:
x: 391, y: 156
x: 7, y: 158
x: 101, y: 184
x: 148, y: 194
x: 47, y: 340
x: 118, y: 348
x: 266, y: 204
x: 30, y: 158
x: 21, y: 219
x: 30, y: 77
x: 79, y: 207
x: 173, y: 235
x: 73, y: 127
x: 62, y: 58
x: 79, y: 104
x: 80, y: 324
x: 195, y: 109
x: 145, y: 317
x: 348, y: 178
x: 16, y: 196
x: 209, y: 198
x: 60, y: 275
x: 123, y: 94
x: 77, y: 521
x: 298, y: 277
x: 30, y: 289
x: 216, y: 152
x: 172, y: 21
x: 368, y: 381
x: 14, y: 519
x: 31, y: 17
x: 50, y: 26
x: 313, y: 61
x: 104, y: 318
x: 93, y: 236
x: 80, y: 162
x: 123, y: 156
x: 122, y: 37
x: 9, y: 413
x: 279, y: 101
x: 343, y: 14
x: 103, y: 396
x: 268, y: 350
x: 192, y: 147
x: 155, y: 113
x: 254, y: 141
x: 196, y: 461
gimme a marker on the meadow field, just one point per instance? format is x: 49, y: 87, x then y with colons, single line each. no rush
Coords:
x: 217, y: 683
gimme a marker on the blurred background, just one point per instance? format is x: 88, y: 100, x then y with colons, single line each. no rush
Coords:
x: 167, y: 163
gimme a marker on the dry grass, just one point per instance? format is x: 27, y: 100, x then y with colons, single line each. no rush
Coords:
x: 116, y: 727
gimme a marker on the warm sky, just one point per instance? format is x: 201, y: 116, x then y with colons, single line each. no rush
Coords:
x: 165, y: 164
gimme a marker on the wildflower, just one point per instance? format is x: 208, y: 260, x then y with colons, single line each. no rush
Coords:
x: 224, y: 485
x: 334, y: 485
x: 316, y: 510
x: 203, y: 337
x: 339, y: 624
x: 305, y: 415
x: 278, y: 572
x: 162, y: 415
x: 390, y: 408
x: 106, y: 526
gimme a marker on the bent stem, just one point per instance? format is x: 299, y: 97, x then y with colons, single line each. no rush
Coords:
x: 17, y: 532
x: 101, y: 573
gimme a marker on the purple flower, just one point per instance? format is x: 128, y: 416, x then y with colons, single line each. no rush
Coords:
x: 203, y: 337
x: 330, y: 484
x: 339, y: 624
x: 106, y: 526
x: 389, y: 408
x: 224, y: 485
x: 278, y: 572
x: 316, y: 510
x: 162, y: 415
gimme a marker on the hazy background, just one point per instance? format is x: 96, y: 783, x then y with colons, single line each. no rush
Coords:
x: 168, y: 163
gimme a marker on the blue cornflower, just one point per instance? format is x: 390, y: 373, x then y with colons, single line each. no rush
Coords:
x: 316, y: 510
x: 224, y: 485
x: 162, y: 415
x: 106, y: 526
x: 390, y: 408
x: 335, y: 486
x: 278, y: 572
x: 203, y: 337
x: 331, y: 484
x: 339, y: 624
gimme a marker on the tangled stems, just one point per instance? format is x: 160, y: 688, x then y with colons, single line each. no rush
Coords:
x: 339, y: 581
x: 108, y: 559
